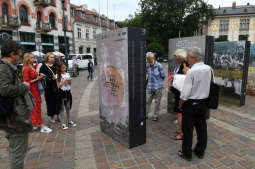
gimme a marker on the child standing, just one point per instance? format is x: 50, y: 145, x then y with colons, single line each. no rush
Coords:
x: 64, y: 84
x: 90, y: 69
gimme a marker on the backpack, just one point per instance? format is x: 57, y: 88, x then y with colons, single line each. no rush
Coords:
x: 7, y: 103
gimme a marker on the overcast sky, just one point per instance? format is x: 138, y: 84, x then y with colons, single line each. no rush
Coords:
x: 125, y: 7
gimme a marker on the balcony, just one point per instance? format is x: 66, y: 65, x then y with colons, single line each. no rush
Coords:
x: 43, y: 28
x: 9, y: 22
x: 42, y: 3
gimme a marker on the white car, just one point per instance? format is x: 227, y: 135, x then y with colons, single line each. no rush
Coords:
x: 82, y: 59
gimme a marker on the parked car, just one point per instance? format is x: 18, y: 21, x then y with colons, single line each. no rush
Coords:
x: 163, y: 58
x: 82, y: 59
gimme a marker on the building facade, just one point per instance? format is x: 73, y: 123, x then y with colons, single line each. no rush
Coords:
x: 36, y: 24
x: 232, y: 23
x: 85, y: 25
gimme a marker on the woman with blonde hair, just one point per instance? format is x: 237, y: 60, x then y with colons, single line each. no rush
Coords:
x: 31, y: 76
x: 50, y: 90
x: 180, y: 56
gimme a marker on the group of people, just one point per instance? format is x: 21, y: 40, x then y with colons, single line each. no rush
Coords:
x: 20, y: 108
x: 190, y: 102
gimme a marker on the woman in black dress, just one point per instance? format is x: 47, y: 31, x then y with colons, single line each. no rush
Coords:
x: 50, y: 88
x: 180, y: 57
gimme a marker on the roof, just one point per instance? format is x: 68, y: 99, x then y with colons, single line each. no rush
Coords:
x: 239, y: 10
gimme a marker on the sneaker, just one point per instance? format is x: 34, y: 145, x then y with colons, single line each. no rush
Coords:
x: 35, y: 128
x: 46, y: 130
x: 155, y: 119
x: 64, y: 127
x: 52, y: 121
x: 72, y: 124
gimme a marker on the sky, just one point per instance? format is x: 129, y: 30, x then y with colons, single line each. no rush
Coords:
x: 123, y: 8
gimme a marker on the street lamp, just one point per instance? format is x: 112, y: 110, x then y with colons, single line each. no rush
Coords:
x: 39, y: 45
x: 64, y: 29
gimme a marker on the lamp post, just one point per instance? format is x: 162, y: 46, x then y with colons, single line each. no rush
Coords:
x: 64, y: 29
x: 39, y: 45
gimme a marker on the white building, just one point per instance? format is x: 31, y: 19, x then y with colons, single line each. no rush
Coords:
x: 37, y: 24
x: 86, y: 24
x: 232, y: 23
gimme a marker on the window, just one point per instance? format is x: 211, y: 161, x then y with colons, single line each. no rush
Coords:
x: 88, y: 50
x: 52, y: 1
x: 79, y: 33
x: 81, y: 49
x: 224, y: 25
x: 72, y: 11
x: 39, y: 20
x: 47, y: 38
x: 27, y: 37
x: 52, y: 20
x: 5, y: 13
x: 87, y: 33
x: 243, y: 37
x: 23, y: 14
x: 222, y: 38
x: 244, y: 24
x: 94, y: 34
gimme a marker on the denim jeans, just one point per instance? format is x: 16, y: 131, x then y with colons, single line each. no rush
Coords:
x: 90, y: 75
x: 150, y: 95
x: 65, y: 105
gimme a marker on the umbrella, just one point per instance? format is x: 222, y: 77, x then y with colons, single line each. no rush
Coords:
x: 58, y: 53
x: 37, y: 53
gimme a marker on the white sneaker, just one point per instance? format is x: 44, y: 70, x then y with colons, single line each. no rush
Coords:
x: 64, y: 127
x: 52, y: 121
x: 72, y: 124
x: 35, y: 127
x: 46, y: 130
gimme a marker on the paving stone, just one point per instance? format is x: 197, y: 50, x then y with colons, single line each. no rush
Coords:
x: 128, y: 163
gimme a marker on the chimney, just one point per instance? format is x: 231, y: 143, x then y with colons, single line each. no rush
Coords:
x: 248, y: 4
x: 234, y: 5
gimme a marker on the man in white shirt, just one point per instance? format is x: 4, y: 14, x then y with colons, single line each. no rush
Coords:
x: 192, y: 101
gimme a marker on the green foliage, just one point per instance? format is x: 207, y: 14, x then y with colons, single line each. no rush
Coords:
x: 165, y: 19
x: 156, y: 48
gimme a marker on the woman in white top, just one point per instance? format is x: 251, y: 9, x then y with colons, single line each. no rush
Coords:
x: 64, y: 84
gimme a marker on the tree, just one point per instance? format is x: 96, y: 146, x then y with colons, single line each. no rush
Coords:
x: 165, y: 19
x: 156, y: 48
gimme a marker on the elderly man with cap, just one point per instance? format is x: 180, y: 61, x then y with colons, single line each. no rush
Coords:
x: 193, y: 103
x: 155, y: 77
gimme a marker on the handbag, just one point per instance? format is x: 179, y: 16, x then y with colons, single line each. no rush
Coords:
x: 212, y: 101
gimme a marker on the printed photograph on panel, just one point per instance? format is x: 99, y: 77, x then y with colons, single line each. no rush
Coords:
x: 228, y: 65
x: 113, y: 74
x: 251, y: 74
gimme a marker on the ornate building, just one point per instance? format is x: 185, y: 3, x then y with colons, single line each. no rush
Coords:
x: 232, y: 23
x: 37, y: 24
x: 86, y: 24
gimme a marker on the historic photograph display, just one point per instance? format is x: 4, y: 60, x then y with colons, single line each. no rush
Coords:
x: 205, y: 43
x: 121, y: 57
x: 230, y: 64
x: 251, y: 74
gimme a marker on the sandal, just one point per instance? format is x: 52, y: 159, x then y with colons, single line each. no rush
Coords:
x: 177, y: 132
x: 178, y: 137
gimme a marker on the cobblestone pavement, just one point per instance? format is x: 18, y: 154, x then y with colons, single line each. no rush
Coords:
x: 54, y: 150
x: 231, y: 143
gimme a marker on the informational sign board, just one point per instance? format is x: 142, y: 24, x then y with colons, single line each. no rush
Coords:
x: 122, y: 96
x: 230, y: 64
x: 205, y: 43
